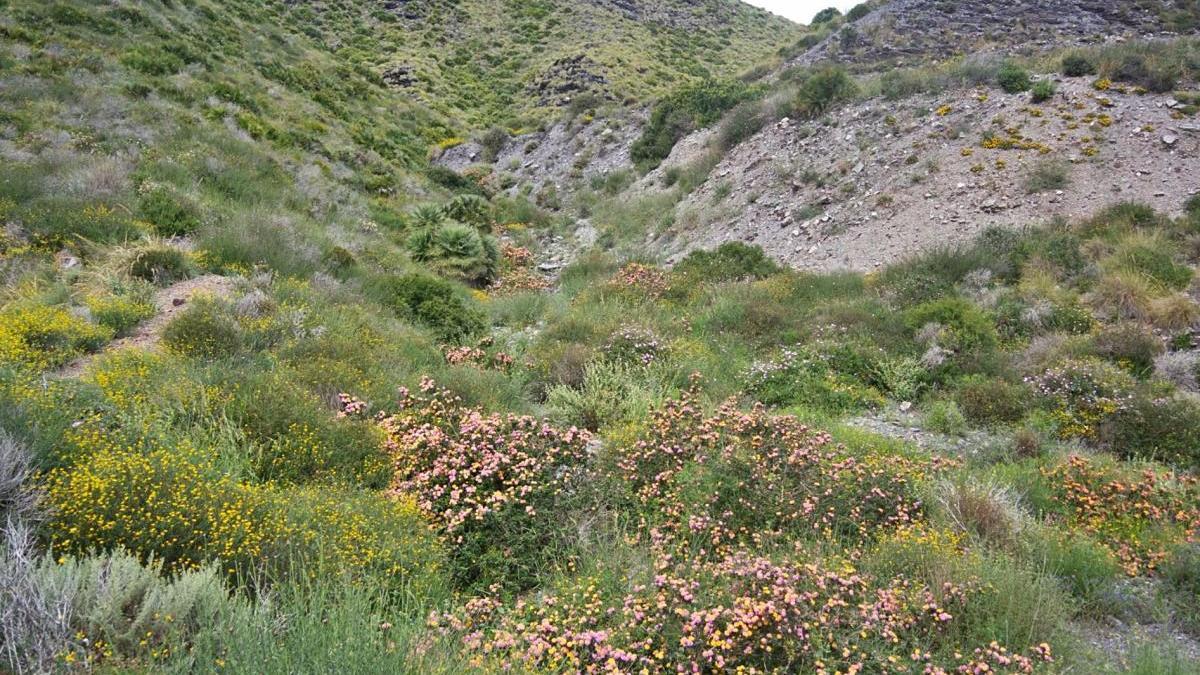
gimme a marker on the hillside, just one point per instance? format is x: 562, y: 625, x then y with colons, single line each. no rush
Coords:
x: 910, y: 32
x: 599, y: 336
x: 489, y: 62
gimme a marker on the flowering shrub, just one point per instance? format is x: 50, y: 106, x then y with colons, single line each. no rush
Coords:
x: 489, y: 482
x: 46, y: 337
x: 732, y: 479
x: 634, y: 345
x: 474, y: 356
x: 1139, y: 516
x: 743, y: 614
x: 640, y: 279
x: 172, y: 503
x: 1082, y: 394
x: 831, y: 380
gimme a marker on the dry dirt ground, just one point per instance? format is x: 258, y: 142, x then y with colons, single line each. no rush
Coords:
x: 168, y: 302
x: 880, y: 180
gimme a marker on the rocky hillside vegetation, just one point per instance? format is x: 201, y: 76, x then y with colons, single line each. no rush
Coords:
x: 453, y: 336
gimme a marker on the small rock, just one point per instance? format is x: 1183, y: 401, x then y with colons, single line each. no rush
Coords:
x: 1170, y: 140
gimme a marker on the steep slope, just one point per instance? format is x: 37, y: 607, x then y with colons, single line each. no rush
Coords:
x: 912, y: 31
x: 488, y: 61
x: 880, y: 181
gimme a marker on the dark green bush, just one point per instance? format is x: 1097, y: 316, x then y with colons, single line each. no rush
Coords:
x: 493, y: 142
x: 432, y: 302
x: 457, y: 250
x: 1043, y: 90
x: 987, y: 401
x: 171, y: 214
x: 858, y: 11
x: 1166, y: 429
x: 964, y: 331
x: 826, y: 15
x: 470, y: 209
x: 675, y: 116
x: 159, y: 264
x: 1013, y: 78
x: 1076, y: 64
x: 1129, y: 345
x: 730, y: 261
x: 205, y: 330
x: 822, y: 89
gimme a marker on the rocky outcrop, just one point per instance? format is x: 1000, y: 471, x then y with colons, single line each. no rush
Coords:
x: 881, y: 181
x: 568, y: 78
x: 912, y: 31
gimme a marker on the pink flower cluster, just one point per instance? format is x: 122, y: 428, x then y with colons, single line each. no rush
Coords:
x: 717, y: 483
x: 465, y: 467
x: 474, y: 356
x: 350, y: 406
x: 745, y: 614
x: 648, y: 280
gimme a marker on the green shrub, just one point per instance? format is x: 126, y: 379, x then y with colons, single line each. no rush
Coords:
x: 826, y: 15
x: 431, y: 302
x: 745, y: 120
x: 829, y: 380
x: 858, y: 11
x: 172, y: 215
x: 945, y: 417
x: 1087, y: 567
x: 205, y: 330
x: 961, y: 331
x: 1152, y: 258
x: 119, y: 313
x: 609, y: 394
x: 470, y: 209
x: 987, y: 401
x: 457, y: 250
x: 493, y: 142
x: 692, y: 107
x: 822, y: 89
x: 1043, y: 90
x: 159, y: 264
x: 1077, y: 64
x: 1166, y: 429
x: 1013, y: 78
x: 1129, y: 345
x: 731, y: 261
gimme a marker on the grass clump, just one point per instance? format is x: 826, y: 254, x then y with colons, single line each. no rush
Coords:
x: 1047, y: 175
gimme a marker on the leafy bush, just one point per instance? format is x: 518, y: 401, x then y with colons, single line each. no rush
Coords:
x: 431, y: 302
x: 1166, y: 429
x: 171, y: 214
x: 491, y: 483
x: 822, y: 89
x: 205, y: 330
x: 608, y: 394
x: 745, y: 120
x: 1129, y: 345
x: 1043, y: 90
x: 731, y: 261
x: 692, y: 107
x: 1083, y: 394
x: 945, y: 417
x: 1013, y: 78
x: 957, y: 334
x: 988, y: 401
x: 821, y: 380
x: 470, y: 209
x: 159, y: 264
x: 493, y: 142
x: 858, y: 11
x: 1077, y: 64
x: 457, y: 250
x: 826, y: 15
